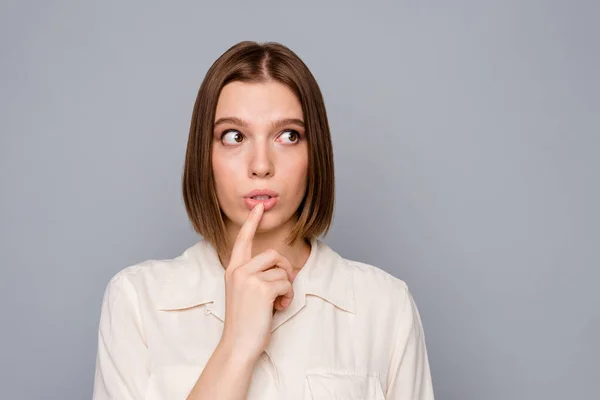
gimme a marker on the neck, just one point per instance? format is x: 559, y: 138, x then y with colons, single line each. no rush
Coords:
x: 296, y: 252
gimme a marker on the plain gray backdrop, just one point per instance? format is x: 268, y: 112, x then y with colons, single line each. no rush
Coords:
x: 466, y: 140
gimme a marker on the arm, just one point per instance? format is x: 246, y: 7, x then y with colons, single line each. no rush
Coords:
x: 409, y: 377
x: 123, y: 364
x: 253, y: 288
x: 122, y: 361
x: 226, y: 375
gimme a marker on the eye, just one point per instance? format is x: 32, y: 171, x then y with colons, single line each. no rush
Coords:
x: 232, y: 136
x: 289, y: 136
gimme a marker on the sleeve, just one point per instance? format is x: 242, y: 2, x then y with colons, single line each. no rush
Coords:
x: 122, y: 361
x: 409, y: 376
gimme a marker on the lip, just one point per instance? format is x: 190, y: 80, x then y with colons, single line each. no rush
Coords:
x: 268, y: 204
x: 262, y: 192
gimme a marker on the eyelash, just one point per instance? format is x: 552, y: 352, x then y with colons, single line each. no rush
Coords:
x: 299, y: 136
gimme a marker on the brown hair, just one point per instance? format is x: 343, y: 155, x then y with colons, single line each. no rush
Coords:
x: 255, y: 62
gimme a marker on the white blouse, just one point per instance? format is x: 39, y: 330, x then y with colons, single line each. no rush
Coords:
x: 352, y: 331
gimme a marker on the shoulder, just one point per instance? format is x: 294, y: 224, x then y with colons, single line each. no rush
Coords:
x: 372, y: 279
x: 376, y: 291
x: 144, y: 281
x: 384, y: 301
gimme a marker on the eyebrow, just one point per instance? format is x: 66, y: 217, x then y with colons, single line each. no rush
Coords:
x: 275, y: 124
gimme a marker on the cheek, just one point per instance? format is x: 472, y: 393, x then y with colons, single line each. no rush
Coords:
x: 219, y: 170
x: 225, y: 173
x: 296, y: 175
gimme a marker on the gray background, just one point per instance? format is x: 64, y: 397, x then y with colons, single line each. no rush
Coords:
x: 466, y: 137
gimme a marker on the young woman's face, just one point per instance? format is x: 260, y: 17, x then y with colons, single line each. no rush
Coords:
x: 259, y: 153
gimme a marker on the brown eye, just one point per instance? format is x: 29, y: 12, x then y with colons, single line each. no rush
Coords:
x: 232, y: 137
x: 290, y: 136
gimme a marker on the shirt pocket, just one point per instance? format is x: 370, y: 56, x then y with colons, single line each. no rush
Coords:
x: 172, y: 382
x: 331, y: 384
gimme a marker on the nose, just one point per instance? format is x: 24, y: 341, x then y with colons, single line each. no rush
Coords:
x: 261, y: 162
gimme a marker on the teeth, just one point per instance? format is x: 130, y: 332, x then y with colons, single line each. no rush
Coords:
x: 261, y: 197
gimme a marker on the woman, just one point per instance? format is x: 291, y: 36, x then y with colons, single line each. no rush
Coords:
x: 260, y: 308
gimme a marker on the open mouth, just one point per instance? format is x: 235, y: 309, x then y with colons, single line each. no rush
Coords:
x: 267, y: 197
x: 268, y: 200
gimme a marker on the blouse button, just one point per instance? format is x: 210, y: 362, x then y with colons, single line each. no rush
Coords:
x: 207, y: 311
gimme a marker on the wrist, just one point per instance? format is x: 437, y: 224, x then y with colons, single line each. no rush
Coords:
x: 236, y: 354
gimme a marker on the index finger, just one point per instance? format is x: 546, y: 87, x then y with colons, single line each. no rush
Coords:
x: 242, y: 248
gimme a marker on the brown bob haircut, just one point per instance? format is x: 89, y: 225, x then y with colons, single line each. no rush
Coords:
x: 254, y: 62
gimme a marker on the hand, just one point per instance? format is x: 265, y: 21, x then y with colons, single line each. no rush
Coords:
x: 254, y: 288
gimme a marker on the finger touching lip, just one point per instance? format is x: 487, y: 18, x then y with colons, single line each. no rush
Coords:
x: 268, y: 202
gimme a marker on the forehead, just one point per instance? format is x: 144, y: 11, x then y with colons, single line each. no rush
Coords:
x: 258, y: 103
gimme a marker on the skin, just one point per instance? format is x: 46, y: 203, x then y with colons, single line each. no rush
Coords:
x: 260, y: 267
x: 268, y: 157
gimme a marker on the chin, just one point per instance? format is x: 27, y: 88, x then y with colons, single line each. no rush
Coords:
x: 269, y: 223
x: 271, y: 220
